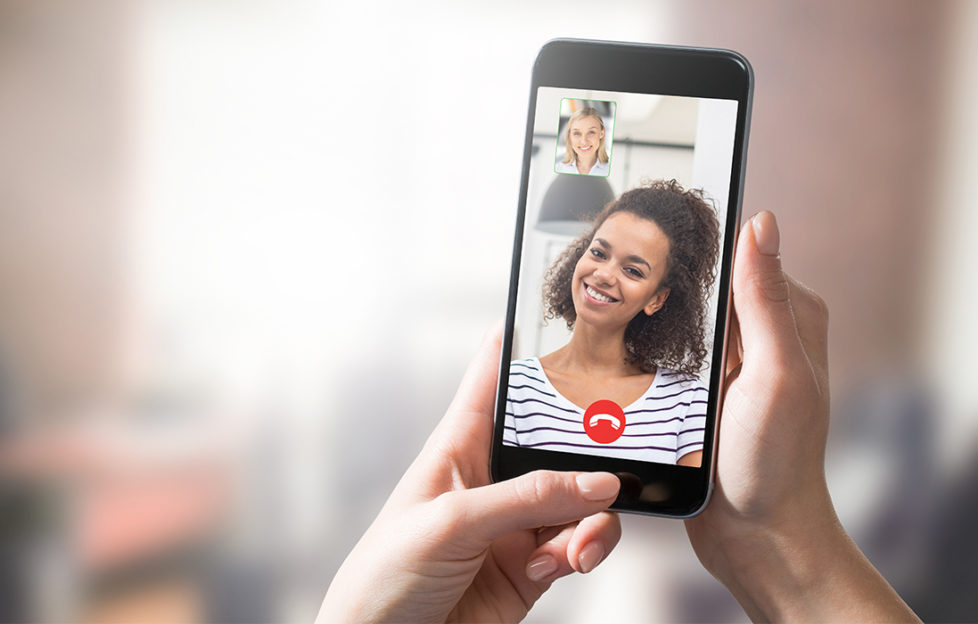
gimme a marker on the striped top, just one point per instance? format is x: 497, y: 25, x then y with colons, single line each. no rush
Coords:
x: 664, y: 424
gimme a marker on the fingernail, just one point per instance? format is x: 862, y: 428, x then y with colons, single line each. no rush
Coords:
x: 766, y: 234
x: 541, y: 567
x: 597, y: 486
x: 591, y: 556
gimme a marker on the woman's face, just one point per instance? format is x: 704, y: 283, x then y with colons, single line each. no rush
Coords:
x: 585, y: 136
x: 619, y: 274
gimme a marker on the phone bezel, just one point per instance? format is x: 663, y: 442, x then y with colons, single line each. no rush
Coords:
x: 647, y: 488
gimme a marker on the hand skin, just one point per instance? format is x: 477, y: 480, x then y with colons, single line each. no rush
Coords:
x: 448, y: 545
x: 770, y: 533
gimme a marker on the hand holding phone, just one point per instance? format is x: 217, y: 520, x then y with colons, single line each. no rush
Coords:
x: 449, y: 545
x: 771, y: 534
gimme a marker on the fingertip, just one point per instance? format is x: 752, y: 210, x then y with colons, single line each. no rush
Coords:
x: 541, y: 567
x: 597, y: 486
x: 762, y: 295
x: 594, y: 538
x: 767, y: 236
x: 590, y: 556
x: 758, y: 276
x: 577, y: 547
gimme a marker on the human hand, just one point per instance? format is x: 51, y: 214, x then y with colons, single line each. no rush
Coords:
x: 449, y: 545
x: 774, y: 424
x: 770, y: 532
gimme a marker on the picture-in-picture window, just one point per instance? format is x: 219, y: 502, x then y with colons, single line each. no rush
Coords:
x: 585, y: 131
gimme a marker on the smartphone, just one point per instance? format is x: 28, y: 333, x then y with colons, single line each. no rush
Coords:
x: 619, y: 299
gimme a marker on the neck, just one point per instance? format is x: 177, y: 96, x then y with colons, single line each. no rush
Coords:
x: 584, y: 166
x: 595, y: 353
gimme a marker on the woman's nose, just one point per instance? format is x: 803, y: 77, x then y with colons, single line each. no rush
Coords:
x: 602, y: 276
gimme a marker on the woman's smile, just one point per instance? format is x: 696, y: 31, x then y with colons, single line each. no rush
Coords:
x: 600, y: 297
x: 583, y: 148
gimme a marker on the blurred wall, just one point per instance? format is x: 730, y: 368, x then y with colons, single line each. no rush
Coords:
x: 946, y: 305
x: 843, y: 145
x: 63, y: 123
x: 246, y: 250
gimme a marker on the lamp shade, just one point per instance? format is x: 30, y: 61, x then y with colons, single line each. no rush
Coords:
x: 571, y: 202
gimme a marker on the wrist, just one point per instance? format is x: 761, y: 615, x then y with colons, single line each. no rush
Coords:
x: 778, y: 573
x: 805, y: 569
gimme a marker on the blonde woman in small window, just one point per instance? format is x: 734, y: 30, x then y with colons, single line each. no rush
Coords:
x: 586, y: 154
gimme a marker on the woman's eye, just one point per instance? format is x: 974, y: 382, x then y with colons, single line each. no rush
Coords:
x: 633, y: 272
x: 597, y: 253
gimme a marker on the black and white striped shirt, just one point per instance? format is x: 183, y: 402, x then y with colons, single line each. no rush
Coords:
x: 664, y: 424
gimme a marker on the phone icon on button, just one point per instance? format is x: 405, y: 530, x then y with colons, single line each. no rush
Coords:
x: 604, y: 421
x: 608, y: 418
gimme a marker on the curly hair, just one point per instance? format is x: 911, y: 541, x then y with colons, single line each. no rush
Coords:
x: 673, y: 337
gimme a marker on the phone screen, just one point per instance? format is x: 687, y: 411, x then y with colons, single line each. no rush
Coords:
x: 618, y: 304
x: 634, y: 139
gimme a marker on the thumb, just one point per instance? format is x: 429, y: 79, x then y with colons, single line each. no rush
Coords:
x: 537, y: 499
x: 761, y: 292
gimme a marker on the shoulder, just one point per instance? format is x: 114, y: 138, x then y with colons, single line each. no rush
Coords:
x: 526, y: 368
x: 666, y: 378
x: 600, y: 168
x: 685, y: 394
x: 528, y: 382
x: 562, y: 167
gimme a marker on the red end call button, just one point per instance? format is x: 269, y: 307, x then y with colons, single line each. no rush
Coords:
x: 604, y: 421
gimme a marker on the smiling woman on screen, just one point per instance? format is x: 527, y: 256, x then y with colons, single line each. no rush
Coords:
x: 586, y: 154
x: 634, y: 291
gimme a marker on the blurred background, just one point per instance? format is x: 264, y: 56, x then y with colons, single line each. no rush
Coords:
x: 247, y: 248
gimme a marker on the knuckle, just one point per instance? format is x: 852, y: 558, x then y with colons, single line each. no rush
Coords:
x: 819, y: 304
x: 770, y: 285
x: 808, y: 302
x: 446, y: 511
x: 537, y: 487
x: 815, y: 306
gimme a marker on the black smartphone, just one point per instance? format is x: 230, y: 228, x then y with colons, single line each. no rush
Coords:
x: 619, y: 300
